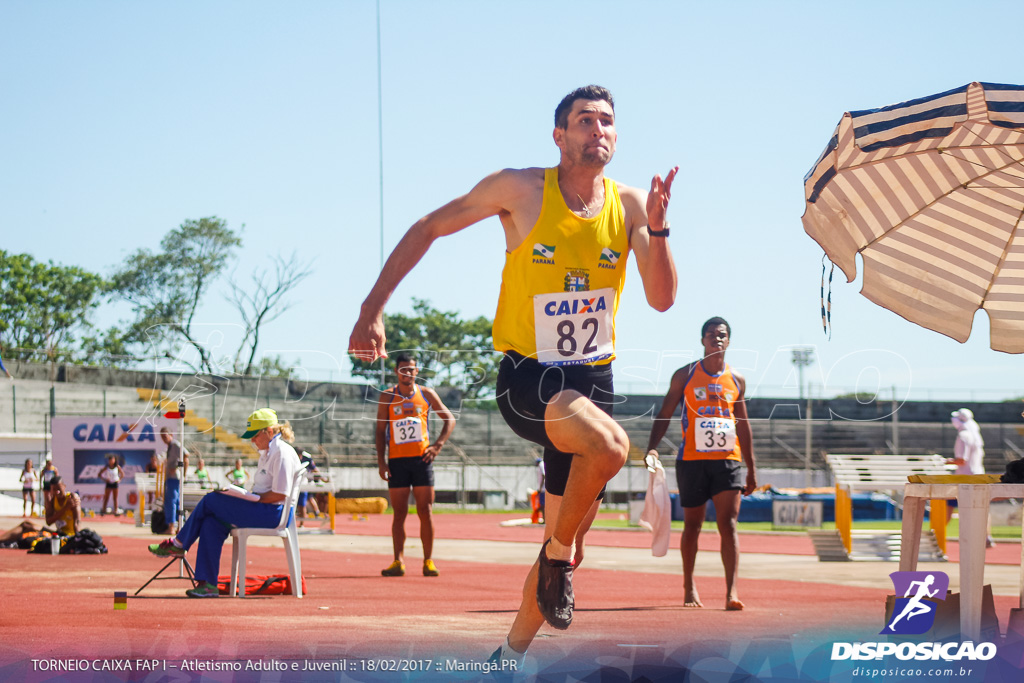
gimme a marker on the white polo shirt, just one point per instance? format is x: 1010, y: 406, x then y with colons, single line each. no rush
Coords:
x: 276, y: 468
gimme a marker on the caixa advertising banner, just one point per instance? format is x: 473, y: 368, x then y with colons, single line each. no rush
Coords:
x: 82, y: 446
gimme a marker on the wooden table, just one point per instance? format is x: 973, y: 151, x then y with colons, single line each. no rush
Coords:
x: 973, y: 504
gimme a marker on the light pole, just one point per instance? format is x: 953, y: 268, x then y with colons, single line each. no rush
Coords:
x: 802, y: 357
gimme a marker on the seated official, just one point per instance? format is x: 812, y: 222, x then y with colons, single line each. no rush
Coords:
x: 217, y: 513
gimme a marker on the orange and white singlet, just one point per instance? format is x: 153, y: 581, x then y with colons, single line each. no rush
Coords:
x: 407, y: 424
x: 709, y: 418
x: 560, y: 288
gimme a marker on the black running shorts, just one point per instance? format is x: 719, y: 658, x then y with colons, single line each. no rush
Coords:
x: 701, y: 480
x: 406, y: 472
x: 525, y: 387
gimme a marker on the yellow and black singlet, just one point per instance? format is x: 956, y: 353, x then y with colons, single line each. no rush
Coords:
x: 560, y: 288
x: 65, y: 513
x: 407, y: 424
x: 709, y: 416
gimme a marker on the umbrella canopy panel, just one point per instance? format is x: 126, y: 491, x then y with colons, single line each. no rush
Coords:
x: 931, y: 193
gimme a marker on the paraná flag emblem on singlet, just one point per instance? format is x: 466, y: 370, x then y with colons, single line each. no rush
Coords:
x: 709, y: 417
x: 407, y: 424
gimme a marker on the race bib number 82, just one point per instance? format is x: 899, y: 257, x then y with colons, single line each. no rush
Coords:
x: 573, y: 328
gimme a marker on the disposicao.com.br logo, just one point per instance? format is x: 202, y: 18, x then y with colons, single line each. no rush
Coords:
x: 913, y: 614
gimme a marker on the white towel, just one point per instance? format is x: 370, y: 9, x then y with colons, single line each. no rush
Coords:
x: 657, y: 514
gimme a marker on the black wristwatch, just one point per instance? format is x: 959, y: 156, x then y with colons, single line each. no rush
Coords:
x: 658, y: 233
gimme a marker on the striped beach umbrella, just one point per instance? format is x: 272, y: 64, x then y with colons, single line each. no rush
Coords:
x: 930, y: 192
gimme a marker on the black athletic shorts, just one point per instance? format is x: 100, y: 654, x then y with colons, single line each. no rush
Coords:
x: 112, y: 485
x: 701, y: 480
x: 406, y: 472
x: 525, y: 387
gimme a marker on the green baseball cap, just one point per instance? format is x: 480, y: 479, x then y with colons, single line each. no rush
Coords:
x: 261, y: 419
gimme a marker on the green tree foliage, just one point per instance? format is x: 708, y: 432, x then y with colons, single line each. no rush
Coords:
x: 44, y: 305
x: 449, y: 351
x: 165, y: 288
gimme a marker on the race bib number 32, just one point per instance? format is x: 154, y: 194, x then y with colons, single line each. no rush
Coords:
x: 573, y: 328
x: 409, y: 430
x: 715, y: 434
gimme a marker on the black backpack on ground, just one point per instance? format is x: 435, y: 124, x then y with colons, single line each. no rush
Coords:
x: 85, y: 542
x: 158, y: 523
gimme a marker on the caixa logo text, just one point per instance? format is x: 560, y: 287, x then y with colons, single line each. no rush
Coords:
x: 574, y: 306
x: 948, y: 652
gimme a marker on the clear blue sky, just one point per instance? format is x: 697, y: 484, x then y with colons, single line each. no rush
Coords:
x: 122, y: 119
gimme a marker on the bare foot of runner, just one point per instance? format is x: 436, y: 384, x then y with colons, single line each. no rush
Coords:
x: 692, y: 600
x: 733, y: 605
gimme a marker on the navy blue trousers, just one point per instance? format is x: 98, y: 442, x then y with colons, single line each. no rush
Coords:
x: 211, y: 523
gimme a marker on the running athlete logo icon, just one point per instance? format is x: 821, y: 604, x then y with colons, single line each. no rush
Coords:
x: 912, y: 614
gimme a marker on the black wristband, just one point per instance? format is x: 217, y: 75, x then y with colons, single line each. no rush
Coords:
x: 658, y: 233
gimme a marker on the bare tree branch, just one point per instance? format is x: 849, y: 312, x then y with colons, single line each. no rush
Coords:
x: 263, y: 302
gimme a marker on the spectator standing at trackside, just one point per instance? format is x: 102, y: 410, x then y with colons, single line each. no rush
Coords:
x: 238, y: 476
x: 47, y: 474
x: 968, y: 456
x: 202, y: 474
x: 29, y: 477
x: 111, y: 475
x: 175, y: 469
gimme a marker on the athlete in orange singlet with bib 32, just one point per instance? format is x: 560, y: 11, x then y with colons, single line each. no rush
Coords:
x: 569, y: 231
x: 402, y: 432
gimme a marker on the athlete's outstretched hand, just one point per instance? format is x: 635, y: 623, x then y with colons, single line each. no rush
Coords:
x: 657, y: 199
x: 367, y: 339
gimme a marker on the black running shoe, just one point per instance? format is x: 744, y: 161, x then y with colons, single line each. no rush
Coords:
x: 554, y: 590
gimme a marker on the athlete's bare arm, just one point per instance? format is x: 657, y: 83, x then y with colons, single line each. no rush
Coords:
x: 512, y: 194
x: 381, y: 436
x: 653, y: 255
x: 447, y: 423
x: 744, y: 434
x: 668, y: 407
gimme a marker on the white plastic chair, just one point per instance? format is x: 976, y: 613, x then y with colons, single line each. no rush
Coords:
x: 285, y: 530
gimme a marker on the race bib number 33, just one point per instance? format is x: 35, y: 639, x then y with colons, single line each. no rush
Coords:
x: 715, y: 434
x: 573, y: 328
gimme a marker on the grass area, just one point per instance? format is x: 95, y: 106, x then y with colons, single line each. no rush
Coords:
x: 952, y: 531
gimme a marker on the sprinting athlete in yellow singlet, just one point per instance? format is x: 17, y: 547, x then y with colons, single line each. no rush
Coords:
x: 402, y: 432
x: 568, y: 233
x: 715, y: 438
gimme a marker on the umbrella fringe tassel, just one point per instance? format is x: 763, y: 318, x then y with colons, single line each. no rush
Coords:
x: 826, y: 309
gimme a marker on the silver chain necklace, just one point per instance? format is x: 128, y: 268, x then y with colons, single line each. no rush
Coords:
x: 586, y: 207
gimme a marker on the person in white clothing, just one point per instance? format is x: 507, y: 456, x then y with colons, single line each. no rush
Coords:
x: 968, y: 455
x: 112, y: 475
x: 29, y: 478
